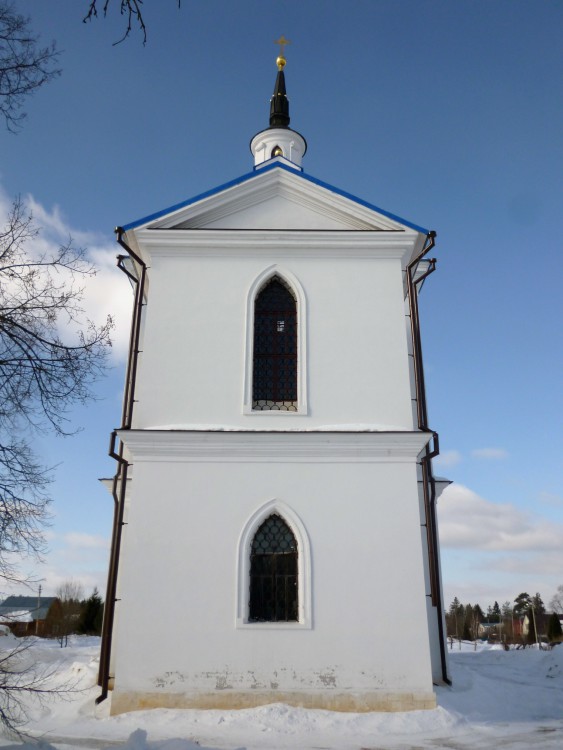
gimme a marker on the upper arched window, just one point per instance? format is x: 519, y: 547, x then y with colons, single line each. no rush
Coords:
x: 274, y: 372
x: 277, y: 151
x: 273, y: 573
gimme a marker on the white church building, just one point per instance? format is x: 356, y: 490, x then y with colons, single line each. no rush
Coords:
x: 275, y: 530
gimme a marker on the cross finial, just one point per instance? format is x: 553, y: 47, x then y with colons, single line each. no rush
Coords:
x: 282, y: 41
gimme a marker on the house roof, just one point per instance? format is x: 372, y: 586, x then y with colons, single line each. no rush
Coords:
x: 13, y: 608
x: 273, y: 165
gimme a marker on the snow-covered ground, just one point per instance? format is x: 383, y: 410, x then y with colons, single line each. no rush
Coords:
x: 507, y: 699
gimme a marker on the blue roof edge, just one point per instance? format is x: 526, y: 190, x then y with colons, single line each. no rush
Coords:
x: 269, y: 168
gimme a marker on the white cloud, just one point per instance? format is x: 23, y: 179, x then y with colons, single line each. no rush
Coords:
x: 53, y: 225
x: 479, y: 590
x: 549, y: 498
x: 494, y: 454
x: 448, y: 458
x: 53, y: 577
x: 79, y: 540
x: 528, y: 563
x: 109, y: 293
x: 76, y: 556
x: 79, y: 556
x: 469, y: 521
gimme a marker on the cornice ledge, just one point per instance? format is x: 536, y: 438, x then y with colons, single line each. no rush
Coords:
x: 318, y: 242
x: 227, y: 236
x: 276, y: 447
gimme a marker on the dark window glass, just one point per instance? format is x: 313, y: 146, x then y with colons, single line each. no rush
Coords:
x: 273, y: 572
x: 274, y: 378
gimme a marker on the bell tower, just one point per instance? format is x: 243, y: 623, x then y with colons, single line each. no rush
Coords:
x: 274, y: 495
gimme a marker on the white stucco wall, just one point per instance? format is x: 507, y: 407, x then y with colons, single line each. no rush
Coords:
x: 368, y: 610
x: 192, y: 366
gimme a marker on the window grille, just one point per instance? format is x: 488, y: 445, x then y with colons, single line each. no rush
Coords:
x: 273, y: 572
x: 274, y: 377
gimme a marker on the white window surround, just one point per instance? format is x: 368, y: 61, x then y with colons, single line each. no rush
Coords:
x: 257, y: 285
x: 303, y: 568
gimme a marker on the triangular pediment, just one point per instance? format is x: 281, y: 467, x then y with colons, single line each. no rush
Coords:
x: 277, y: 198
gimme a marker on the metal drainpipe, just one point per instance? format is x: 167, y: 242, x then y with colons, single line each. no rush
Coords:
x: 428, y: 481
x: 120, y: 477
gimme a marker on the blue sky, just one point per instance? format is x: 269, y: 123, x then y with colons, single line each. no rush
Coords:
x: 447, y: 113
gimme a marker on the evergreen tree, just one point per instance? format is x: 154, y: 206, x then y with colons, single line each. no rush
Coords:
x: 90, y: 622
x: 522, y: 604
x: 468, y: 629
x: 554, y: 631
x: 506, y: 609
x: 454, y: 618
x: 538, y: 604
x: 493, y: 613
x: 478, y: 618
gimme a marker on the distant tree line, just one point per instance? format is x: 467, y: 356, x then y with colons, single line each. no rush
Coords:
x: 70, y: 613
x: 505, y: 622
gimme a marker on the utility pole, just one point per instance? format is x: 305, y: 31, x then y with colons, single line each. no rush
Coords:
x: 535, y: 626
x: 38, y: 608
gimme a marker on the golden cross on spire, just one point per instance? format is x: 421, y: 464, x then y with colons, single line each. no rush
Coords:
x: 282, y: 41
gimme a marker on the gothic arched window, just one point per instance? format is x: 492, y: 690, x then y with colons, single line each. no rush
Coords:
x: 273, y: 573
x: 274, y: 376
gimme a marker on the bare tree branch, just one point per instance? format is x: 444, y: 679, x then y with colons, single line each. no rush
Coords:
x: 23, y: 506
x: 129, y: 8
x: 49, y: 358
x: 21, y: 677
x: 556, y: 603
x: 63, y: 617
x: 24, y: 65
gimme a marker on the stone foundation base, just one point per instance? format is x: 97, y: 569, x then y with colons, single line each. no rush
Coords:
x: 124, y: 701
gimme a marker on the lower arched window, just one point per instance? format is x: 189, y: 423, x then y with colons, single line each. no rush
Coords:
x: 273, y: 573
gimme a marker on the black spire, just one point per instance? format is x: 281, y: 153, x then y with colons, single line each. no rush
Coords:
x: 279, y: 103
x: 266, y: 145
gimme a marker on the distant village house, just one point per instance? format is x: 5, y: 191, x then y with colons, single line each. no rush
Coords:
x: 25, y: 615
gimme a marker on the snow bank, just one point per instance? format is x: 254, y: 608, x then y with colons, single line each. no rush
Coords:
x: 512, y: 698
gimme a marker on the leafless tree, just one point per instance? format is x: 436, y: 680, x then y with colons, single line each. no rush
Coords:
x: 24, y: 64
x: 69, y: 597
x: 21, y: 678
x: 556, y: 603
x: 49, y: 359
x: 23, y: 505
x: 131, y: 9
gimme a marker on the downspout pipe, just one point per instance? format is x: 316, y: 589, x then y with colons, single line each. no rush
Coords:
x: 119, y: 487
x: 428, y: 480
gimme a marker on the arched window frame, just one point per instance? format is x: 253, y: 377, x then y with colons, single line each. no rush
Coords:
x: 257, y: 285
x: 304, y: 616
